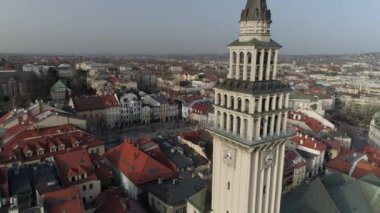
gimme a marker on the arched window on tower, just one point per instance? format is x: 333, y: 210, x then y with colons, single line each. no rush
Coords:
x: 246, y: 105
x: 257, y: 13
x: 232, y: 102
x: 231, y: 127
x: 245, y: 128
x: 239, y: 102
x: 234, y: 57
x: 225, y: 101
x: 270, y: 102
x: 241, y: 58
x: 218, y: 120
x: 249, y: 57
x: 224, y: 121
x: 238, y: 125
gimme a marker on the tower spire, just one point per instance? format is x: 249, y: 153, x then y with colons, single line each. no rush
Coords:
x: 256, y: 10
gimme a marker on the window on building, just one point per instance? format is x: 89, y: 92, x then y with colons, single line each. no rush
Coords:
x: 84, y: 200
x: 90, y: 186
x: 228, y: 185
x: 264, y: 189
x: 84, y: 187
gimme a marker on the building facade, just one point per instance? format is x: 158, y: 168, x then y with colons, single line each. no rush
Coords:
x: 250, y: 126
x: 374, y: 131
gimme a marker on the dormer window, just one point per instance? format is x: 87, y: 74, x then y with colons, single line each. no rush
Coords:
x: 40, y: 151
x: 28, y: 153
x: 53, y: 149
x: 61, y: 147
x: 76, y: 144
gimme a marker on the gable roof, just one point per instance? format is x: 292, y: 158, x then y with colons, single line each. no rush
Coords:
x: 75, y: 163
x: 65, y: 200
x: 88, y: 103
x: 137, y: 166
x: 335, y: 192
x: 176, y: 193
x: 59, y: 85
x: 308, y: 198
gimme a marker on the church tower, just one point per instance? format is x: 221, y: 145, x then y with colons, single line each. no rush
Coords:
x: 250, y: 126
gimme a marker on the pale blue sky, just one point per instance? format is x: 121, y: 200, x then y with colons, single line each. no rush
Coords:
x: 182, y: 26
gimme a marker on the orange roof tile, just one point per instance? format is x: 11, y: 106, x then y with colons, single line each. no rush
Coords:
x: 137, y: 166
x: 74, y: 163
x: 309, y: 142
x: 64, y: 200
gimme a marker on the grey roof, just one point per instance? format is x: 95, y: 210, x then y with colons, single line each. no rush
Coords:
x: 176, y: 193
x: 256, y: 10
x: 160, y: 99
x: 253, y: 88
x: 371, y: 179
x: 352, y: 195
x: 201, y: 200
x: 346, y: 193
x: 312, y: 198
x: 257, y: 43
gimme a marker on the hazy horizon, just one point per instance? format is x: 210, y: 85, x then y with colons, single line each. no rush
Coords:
x: 178, y: 27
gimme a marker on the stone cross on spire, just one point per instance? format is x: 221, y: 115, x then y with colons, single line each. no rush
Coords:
x: 256, y: 10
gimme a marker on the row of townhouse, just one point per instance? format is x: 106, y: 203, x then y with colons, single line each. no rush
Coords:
x: 109, y: 111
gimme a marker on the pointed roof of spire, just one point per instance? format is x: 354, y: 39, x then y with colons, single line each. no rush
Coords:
x: 256, y: 10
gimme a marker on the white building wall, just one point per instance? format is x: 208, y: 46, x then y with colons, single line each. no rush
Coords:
x: 129, y: 188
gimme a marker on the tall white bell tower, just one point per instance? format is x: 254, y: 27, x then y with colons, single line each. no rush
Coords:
x: 250, y: 126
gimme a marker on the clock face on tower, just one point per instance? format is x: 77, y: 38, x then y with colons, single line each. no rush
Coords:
x: 229, y: 155
x: 268, y: 159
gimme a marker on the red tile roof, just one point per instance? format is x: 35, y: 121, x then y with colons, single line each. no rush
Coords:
x: 363, y: 168
x: 201, y: 108
x: 153, y: 150
x: 110, y: 100
x: 308, y: 142
x: 101, y: 169
x: 45, y: 139
x: 112, y: 201
x: 293, y: 160
x: 193, y: 136
x: 331, y: 144
x: 137, y: 166
x: 64, y: 200
x: 76, y: 163
x: 312, y: 123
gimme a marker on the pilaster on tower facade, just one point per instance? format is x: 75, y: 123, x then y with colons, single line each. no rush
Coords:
x: 250, y: 126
